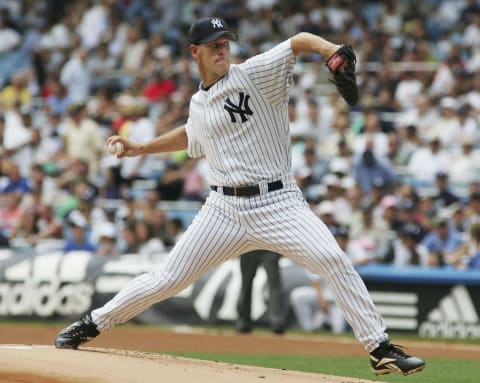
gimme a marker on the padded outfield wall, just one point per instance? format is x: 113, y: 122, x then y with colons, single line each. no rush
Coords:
x: 438, y: 303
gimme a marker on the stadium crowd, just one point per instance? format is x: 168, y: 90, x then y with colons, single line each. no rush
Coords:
x: 399, y: 173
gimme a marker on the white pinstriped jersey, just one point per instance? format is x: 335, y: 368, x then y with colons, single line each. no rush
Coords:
x: 241, y: 123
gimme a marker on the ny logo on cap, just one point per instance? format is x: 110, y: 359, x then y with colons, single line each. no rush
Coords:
x: 217, y: 23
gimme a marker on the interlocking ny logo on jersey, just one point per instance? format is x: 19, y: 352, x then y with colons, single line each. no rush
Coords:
x: 242, y: 108
x: 216, y: 23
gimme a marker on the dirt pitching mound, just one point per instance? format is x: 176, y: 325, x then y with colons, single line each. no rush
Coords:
x: 45, y: 364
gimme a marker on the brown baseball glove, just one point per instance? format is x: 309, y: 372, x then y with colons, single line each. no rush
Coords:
x: 342, y: 66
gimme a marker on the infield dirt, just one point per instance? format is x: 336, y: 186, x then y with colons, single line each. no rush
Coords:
x: 24, y: 358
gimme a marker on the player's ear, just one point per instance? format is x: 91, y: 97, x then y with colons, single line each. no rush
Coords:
x: 193, y: 50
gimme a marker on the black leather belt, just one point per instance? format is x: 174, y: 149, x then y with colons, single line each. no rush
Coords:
x: 248, y: 191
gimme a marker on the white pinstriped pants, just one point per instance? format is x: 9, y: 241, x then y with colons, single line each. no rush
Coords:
x: 226, y: 227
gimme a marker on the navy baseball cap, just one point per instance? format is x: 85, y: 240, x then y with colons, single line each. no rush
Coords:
x: 209, y: 29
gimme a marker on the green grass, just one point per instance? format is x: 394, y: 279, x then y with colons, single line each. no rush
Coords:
x: 437, y: 370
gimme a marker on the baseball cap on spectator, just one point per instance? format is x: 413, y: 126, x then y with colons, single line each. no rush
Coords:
x: 440, y: 221
x: 339, y: 166
x: 303, y: 172
x: 347, y: 183
x: 106, y: 230
x: 331, y: 180
x: 467, y: 140
x: 209, y: 29
x: 449, y: 103
x: 325, y: 207
x: 441, y: 174
x: 388, y: 201
x: 433, y: 137
x: 75, y: 218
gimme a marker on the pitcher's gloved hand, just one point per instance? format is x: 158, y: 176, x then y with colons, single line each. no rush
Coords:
x: 342, y: 66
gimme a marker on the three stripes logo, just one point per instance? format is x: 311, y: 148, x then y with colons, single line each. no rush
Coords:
x: 454, y: 317
x: 241, y: 109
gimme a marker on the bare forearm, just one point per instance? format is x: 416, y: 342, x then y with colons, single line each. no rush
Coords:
x: 305, y: 42
x: 171, y: 141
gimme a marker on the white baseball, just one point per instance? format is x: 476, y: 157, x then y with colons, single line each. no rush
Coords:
x: 116, y: 148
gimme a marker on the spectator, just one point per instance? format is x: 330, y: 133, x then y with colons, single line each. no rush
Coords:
x: 133, y: 51
x: 194, y: 183
x: 27, y: 228
x: 341, y: 133
x: 16, y: 92
x: 15, y: 182
x: 170, y: 184
x: 469, y: 124
x: 368, y: 167
x: 174, y: 229
x: 408, y: 89
x: 78, y: 240
x: 10, y: 212
x: 410, y: 142
x: 9, y: 37
x: 371, y: 137
x: 465, y: 166
x: 422, y: 115
x: 50, y: 147
x: 93, y: 23
x: 101, y: 62
x: 335, y: 194
x: 427, y: 161
x: 76, y: 76
x: 58, y: 100
x: 408, y: 216
x: 447, y: 126
x: 107, y: 240
x: 128, y: 242
x: 50, y: 226
x: 150, y: 246
x: 472, y: 208
x: 441, y: 241
x: 141, y: 129
x: 326, y: 211
x: 387, y: 210
x: 467, y: 256
x: 158, y: 87
x: 370, y: 234
x: 408, y: 252
x: 19, y: 138
x: 444, y: 197
x: 82, y: 138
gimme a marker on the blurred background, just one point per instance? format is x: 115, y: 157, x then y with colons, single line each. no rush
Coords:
x: 398, y: 175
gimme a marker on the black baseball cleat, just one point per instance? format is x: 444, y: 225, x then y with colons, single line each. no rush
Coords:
x: 77, y: 333
x: 387, y: 358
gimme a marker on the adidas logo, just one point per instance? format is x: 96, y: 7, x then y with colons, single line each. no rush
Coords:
x: 454, y: 317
